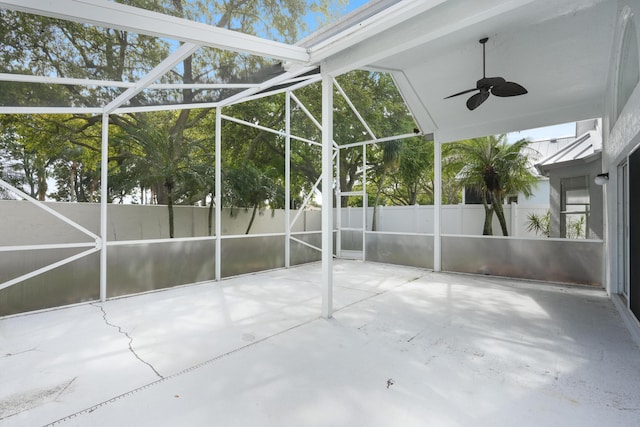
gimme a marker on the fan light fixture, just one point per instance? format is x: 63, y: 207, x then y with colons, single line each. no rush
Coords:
x: 497, y: 86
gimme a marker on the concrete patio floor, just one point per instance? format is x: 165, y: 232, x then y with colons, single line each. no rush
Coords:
x: 406, y: 347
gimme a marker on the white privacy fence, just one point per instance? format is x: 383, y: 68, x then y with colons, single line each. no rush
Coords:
x: 26, y: 224
x: 141, y: 258
x: 455, y: 219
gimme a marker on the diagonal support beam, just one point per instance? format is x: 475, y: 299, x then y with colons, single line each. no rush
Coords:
x: 47, y: 209
x: 128, y: 18
x: 46, y: 268
x: 161, y: 69
x: 353, y: 108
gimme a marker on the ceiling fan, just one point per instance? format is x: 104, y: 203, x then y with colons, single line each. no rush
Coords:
x: 497, y: 86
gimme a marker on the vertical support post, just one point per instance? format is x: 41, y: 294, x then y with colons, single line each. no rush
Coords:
x: 365, y: 202
x: 287, y: 180
x: 218, y: 192
x: 327, y: 195
x: 104, y: 188
x: 338, y: 206
x: 437, y: 202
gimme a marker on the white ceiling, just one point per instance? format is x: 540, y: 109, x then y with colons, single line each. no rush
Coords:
x: 558, y: 49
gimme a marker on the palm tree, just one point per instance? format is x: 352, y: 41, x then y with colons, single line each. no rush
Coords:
x: 160, y: 158
x: 495, y: 169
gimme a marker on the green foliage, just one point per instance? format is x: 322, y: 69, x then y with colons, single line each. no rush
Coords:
x: 172, y: 153
x: 540, y: 224
x: 576, y: 228
x: 248, y: 186
x: 495, y: 169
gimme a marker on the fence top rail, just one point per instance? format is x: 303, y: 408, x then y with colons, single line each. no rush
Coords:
x: 545, y: 239
x: 470, y: 236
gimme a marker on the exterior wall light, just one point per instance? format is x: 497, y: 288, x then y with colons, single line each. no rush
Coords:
x: 602, y: 178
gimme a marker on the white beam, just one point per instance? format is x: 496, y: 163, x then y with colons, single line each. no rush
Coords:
x: 354, y: 109
x: 46, y: 268
x: 327, y: 196
x: 51, y: 110
x: 23, y: 78
x: 377, y: 38
x: 371, y: 27
x: 122, y: 17
x: 104, y: 188
x: 159, y: 70
x: 413, y: 101
x: 307, y: 112
x: 164, y: 107
x: 379, y: 140
x: 338, y: 207
x: 47, y: 209
x: 281, y: 79
x: 298, y: 85
x: 287, y: 179
x: 253, y: 125
x: 218, y: 193
x: 437, y: 201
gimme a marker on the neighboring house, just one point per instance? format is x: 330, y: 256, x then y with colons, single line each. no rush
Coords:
x: 566, y: 168
x: 574, y: 197
x: 538, y: 150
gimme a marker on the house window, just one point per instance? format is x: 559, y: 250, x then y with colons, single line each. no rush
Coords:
x: 574, y: 207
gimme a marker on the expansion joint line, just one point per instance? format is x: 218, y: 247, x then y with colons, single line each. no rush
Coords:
x: 183, y: 372
x: 129, y: 337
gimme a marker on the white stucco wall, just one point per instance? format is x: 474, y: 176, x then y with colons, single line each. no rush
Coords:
x: 621, y: 137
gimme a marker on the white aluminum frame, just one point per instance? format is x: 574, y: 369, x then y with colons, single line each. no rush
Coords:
x: 194, y: 35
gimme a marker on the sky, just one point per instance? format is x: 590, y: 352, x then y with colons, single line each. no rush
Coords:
x: 312, y: 19
x: 354, y: 4
x: 537, y: 134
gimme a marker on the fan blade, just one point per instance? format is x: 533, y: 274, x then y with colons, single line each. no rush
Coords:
x: 476, y: 100
x: 461, y: 93
x: 508, y: 89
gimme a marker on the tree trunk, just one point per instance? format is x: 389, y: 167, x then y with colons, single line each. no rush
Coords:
x: 42, y: 185
x: 253, y: 216
x: 497, y: 204
x: 374, y: 222
x: 487, y: 229
x: 169, y: 186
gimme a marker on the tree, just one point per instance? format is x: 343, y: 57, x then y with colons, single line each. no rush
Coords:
x: 413, y: 182
x: 390, y: 161
x: 248, y: 186
x: 160, y: 159
x: 376, y: 98
x: 495, y: 169
x: 47, y: 46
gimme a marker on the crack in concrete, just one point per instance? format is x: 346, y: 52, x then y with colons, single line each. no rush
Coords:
x: 129, y: 337
x: 65, y: 388
x: 19, y: 352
